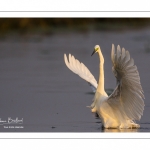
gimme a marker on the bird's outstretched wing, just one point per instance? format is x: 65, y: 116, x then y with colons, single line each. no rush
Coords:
x: 80, y: 69
x: 128, y: 95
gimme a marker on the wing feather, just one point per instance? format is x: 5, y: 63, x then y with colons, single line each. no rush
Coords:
x: 80, y: 69
x: 129, y: 93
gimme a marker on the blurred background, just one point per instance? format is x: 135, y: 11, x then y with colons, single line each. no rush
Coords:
x: 36, y: 85
x: 53, y: 25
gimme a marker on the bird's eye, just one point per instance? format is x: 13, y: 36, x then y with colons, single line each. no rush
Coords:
x: 96, y: 49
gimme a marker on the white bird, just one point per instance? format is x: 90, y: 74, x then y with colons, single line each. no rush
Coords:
x: 125, y: 104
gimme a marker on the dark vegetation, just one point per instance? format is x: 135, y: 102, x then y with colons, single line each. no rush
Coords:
x: 52, y: 25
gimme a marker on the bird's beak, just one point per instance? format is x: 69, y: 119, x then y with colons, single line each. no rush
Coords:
x: 93, y: 52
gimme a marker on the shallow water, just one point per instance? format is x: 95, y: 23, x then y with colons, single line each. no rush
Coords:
x: 36, y: 86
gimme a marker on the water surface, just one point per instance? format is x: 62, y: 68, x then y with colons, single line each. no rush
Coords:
x: 36, y: 85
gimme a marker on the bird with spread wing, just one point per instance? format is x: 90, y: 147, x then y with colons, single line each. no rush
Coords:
x: 125, y: 104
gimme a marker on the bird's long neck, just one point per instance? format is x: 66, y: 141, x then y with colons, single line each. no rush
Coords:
x: 100, y: 87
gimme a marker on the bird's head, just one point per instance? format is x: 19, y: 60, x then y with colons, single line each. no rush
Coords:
x: 96, y: 48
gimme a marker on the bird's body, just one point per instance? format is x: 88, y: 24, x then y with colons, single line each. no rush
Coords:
x: 125, y: 104
x: 111, y: 117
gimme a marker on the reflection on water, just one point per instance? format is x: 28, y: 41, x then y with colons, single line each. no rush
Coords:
x: 102, y: 129
x: 144, y: 126
x: 119, y: 130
